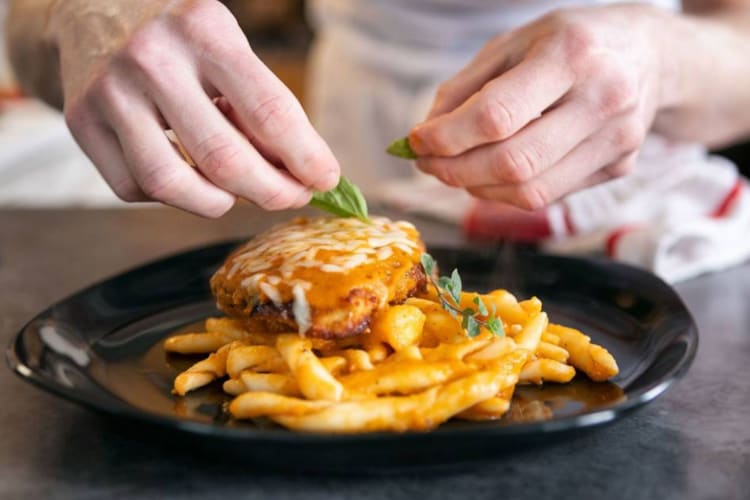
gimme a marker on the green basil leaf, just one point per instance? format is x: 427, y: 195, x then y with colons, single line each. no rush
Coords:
x: 402, y: 149
x: 345, y: 200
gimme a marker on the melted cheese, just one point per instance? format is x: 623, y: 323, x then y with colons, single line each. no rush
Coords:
x: 327, y: 255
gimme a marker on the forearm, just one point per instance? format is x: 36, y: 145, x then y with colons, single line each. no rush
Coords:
x: 706, y: 63
x: 32, y: 53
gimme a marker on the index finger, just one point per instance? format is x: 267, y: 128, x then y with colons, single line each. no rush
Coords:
x: 273, y: 119
x: 501, y: 108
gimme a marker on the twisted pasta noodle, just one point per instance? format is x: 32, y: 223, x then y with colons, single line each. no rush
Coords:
x: 594, y: 360
x: 489, y: 409
x: 551, y: 351
x: 455, y: 352
x: 357, y: 359
x: 261, y: 358
x: 493, y: 350
x: 416, y: 378
x: 315, y: 382
x: 546, y: 370
x: 203, y: 372
x: 198, y: 343
x: 277, y: 383
x: 531, y: 334
x: 406, y: 377
x: 259, y: 404
x: 420, y: 411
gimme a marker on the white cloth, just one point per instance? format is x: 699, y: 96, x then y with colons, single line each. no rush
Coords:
x: 682, y: 213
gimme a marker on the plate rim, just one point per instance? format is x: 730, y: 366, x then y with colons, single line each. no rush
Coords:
x: 642, y: 396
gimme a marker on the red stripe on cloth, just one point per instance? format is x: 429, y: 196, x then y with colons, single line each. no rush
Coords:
x: 615, y: 236
x: 469, y: 224
x: 729, y: 200
x: 569, y: 226
x: 487, y: 220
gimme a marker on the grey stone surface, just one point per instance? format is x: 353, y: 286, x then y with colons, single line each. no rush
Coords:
x: 694, y: 442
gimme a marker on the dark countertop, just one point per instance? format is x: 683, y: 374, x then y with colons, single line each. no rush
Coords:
x: 693, y: 442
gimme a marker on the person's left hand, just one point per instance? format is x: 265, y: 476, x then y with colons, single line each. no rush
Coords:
x: 552, y: 107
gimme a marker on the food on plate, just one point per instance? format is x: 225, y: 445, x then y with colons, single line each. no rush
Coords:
x: 323, y: 277
x: 418, y: 352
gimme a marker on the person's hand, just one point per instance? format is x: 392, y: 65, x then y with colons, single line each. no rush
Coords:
x: 552, y: 107
x: 133, y: 68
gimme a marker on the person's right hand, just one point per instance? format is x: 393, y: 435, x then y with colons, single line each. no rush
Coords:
x: 133, y: 68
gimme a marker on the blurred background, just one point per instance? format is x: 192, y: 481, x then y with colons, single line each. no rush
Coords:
x: 279, y: 34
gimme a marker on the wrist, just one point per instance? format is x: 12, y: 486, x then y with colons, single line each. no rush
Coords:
x: 668, y: 42
x: 33, y: 54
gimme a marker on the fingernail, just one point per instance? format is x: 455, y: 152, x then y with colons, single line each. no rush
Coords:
x: 415, y: 141
x: 303, y: 199
x: 329, y: 180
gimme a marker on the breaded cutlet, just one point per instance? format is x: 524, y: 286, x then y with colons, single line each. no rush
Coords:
x: 323, y: 277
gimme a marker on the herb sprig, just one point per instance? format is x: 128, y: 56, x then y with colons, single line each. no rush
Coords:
x: 402, y: 149
x: 345, y: 200
x: 449, y: 292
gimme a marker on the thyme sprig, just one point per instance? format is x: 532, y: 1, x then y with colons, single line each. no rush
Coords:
x: 449, y: 290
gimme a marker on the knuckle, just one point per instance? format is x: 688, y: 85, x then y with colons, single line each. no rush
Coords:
x: 276, y: 199
x: 437, y: 140
x: 217, y: 157
x: 494, y: 120
x: 578, y: 42
x: 628, y: 137
x: 514, y: 165
x: 161, y: 183
x: 272, y: 113
x: 127, y: 190
x: 620, y: 168
x: 76, y: 116
x: 531, y: 196
x: 617, y: 94
x: 145, y: 50
x: 106, y: 88
x: 202, y: 16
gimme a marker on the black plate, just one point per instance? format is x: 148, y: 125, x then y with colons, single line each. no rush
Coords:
x: 101, y: 348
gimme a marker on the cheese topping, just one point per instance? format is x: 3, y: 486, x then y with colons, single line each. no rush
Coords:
x: 281, y: 264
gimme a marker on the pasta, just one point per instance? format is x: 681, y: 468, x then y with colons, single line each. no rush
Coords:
x: 415, y: 369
